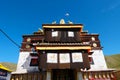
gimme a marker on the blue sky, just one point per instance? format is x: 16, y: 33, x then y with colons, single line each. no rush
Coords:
x: 19, y: 17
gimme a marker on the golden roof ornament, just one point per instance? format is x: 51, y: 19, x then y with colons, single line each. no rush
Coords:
x: 40, y: 30
x: 62, y: 21
x: 54, y: 22
x: 70, y: 22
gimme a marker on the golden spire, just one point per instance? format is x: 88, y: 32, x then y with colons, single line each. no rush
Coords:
x: 62, y: 21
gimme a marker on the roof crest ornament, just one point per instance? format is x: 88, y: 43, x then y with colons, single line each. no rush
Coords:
x: 62, y: 21
x: 54, y: 22
x: 70, y: 22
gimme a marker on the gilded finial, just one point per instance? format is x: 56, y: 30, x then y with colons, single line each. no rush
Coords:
x: 70, y: 22
x: 62, y: 21
x: 54, y: 22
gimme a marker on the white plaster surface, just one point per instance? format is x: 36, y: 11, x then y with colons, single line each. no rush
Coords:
x: 23, y: 65
x: 8, y: 76
x: 99, y: 60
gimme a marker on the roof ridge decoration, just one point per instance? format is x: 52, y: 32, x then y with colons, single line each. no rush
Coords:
x: 70, y: 22
x: 62, y: 21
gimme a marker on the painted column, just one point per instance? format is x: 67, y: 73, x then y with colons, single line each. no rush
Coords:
x: 79, y: 76
x: 48, y: 76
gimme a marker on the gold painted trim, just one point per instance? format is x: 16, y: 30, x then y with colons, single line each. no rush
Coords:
x: 74, y: 26
x: 64, y: 48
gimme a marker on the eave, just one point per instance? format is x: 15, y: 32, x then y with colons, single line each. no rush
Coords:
x: 63, y: 48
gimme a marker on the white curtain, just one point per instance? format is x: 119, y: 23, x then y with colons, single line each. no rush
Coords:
x: 77, y: 57
x: 70, y: 34
x: 64, y: 58
x: 52, y: 58
x: 54, y: 33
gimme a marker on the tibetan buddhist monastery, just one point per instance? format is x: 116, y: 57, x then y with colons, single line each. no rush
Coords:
x: 62, y: 51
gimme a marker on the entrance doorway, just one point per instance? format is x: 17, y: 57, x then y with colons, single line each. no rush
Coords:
x: 63, y: 74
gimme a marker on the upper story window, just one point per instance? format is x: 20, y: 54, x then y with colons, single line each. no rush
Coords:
x: 91, y: 60
x: 54, y: 33
x: 70, y: 34
x: 34, y: 62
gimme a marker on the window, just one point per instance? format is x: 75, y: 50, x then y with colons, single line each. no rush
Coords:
x: 64, y: 58
x: 54, y: 33
x: 70, y: 34
x: 77, y: 57
x: 91, y: 60
x: 34, y: 62
x: 52, y: 58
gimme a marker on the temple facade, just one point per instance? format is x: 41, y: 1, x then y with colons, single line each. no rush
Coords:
x: 62, y: 51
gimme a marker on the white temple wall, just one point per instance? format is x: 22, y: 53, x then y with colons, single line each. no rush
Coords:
x: 99, y: 60
x: 23, y: 65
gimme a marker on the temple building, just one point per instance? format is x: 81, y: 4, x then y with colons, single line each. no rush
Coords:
x: 62, y: 51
